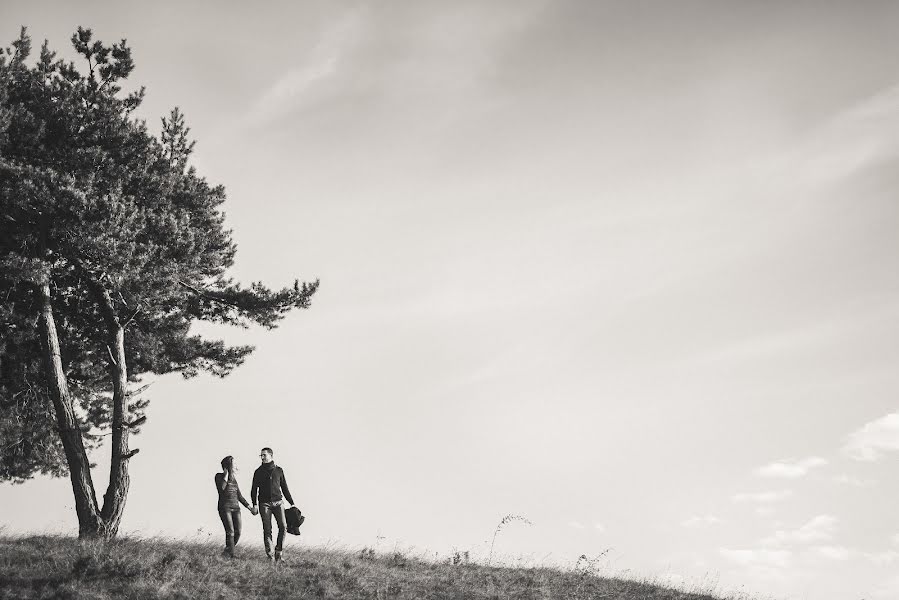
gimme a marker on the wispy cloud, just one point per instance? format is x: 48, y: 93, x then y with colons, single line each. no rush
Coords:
x: 758, y: 557
x: 833, y: 552
x: 778, y: 550
x: 874, y: 439
x: 889, y: 589
x: 882, y: 559
x: 701, y: 521
x: 818, y: 529
x: 297, y: 83
x: 791, y: 469
x: 844, y: 479
x: 857, y: 136
x: 596, y: 526
x: 762, y: 497
x: 413, y: 61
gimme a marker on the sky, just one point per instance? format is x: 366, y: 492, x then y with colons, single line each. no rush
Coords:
x: 627, y: 269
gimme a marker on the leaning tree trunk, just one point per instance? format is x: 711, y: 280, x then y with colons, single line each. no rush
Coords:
x: 119, y: 480
x: 90, y: 522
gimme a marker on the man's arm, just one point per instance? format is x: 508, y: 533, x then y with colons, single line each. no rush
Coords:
x: 284, y: 488
x: 254, y: 489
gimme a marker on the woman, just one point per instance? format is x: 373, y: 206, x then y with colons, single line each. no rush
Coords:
x: 229, y: 509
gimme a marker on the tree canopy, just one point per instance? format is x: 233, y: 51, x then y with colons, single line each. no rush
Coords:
x: 127, y: 240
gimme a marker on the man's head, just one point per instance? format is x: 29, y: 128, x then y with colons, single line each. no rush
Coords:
x: 266, y: 455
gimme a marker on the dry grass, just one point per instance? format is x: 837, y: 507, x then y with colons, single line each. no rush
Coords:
x: 65, y: 568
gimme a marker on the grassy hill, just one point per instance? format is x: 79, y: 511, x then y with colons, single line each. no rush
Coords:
x: 64, y: 568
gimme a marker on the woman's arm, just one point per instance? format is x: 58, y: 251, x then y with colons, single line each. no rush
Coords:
x: 220, y: 482
x: 240, y: 497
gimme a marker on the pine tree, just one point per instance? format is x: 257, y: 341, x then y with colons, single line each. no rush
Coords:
x: 111, y: 246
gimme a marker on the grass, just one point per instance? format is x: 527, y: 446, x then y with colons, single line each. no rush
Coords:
x: 66, y: 568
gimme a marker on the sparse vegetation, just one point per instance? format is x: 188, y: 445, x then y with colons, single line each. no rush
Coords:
x: 499, y: 527
x: 33, y: 568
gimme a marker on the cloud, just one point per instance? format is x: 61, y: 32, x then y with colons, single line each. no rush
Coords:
x: 874, y: 439
x: 844, y: 479
x: 883, y: 559
x: 818, y: 529
x: 764, y: 511
x: 886, y: 557
x: 424, y: 63
x: 763, y: 497
x: 884, y: 104
x: 320, y: 65
x: 857, y: 136
x: 833, y: 552
x: 704, y: 521
x: 599, y: 527
x: 791, y: 469
x: 758, y: 557
x: 576, y: 525
x: 889, y: 589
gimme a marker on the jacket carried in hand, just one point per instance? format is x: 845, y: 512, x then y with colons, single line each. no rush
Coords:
x: 269, y: 482
x: 294, y: 519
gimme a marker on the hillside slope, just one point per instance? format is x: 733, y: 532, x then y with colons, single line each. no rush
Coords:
x: 64, y: 568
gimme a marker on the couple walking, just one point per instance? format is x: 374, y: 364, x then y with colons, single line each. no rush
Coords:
x: 267, y: 488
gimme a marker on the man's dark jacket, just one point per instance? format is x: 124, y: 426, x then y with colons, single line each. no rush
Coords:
x: 269, y: 481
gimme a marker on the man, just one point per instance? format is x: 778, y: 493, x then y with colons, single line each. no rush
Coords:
x: 269, y: 482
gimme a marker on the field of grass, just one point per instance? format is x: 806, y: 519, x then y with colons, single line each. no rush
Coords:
x: 64, y: 568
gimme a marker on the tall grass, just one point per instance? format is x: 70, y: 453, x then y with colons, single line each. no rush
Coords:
x: 33, y: 568
x: 499, y: 527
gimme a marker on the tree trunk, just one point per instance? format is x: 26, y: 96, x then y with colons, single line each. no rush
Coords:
x: 89, y: 520
x: 119, y: 481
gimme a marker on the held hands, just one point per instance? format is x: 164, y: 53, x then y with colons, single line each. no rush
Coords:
x: 254, y: 510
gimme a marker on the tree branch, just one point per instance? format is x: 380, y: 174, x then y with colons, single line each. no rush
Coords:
x: 203, y: 294
x: 111, y: 357
x: 131, y: 318
x: 139, y: 391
